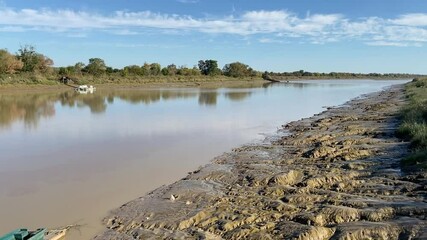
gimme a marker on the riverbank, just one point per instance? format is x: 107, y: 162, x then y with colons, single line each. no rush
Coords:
x: 228, y: 82
x: 333, y: 175
x: 204, y: 84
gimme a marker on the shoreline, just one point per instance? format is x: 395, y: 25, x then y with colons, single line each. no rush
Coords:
x: 162, y: 84
x: 335, y: 174
x: 7, y: 88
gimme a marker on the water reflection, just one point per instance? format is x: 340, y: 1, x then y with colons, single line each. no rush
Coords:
x: 208, y: 98
x: 237, y: 96
x: 31, y: 107
x: 26, y: 108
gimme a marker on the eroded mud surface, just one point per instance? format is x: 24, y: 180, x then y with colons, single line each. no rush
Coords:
x: 335, y: 176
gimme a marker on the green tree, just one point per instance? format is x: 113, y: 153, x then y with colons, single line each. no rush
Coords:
x: 155, y: 69
x: 79, y: 67
x: 33, y: 61
x: 185, y: 71
x: 134, y: 70
x: 146, y: 69
x: 109, y: 70
x: 170, y: 70
x: 96, y: 66
x: 209, y: 67
x: 63, y: 71
x: 238, y: 69
x: 9, y: 63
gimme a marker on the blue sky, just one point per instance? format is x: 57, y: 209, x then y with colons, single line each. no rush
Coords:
x: 276, y: 35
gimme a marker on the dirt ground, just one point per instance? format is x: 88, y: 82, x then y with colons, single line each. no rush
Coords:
x: 335, y: 175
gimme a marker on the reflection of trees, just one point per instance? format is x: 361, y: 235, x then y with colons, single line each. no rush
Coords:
x: 149, y: 96
x: 146, y: 97
x: 31, y: 107
x: 174, y: 94
x: 237, y: 96
x: 207, y: 98
x: 96, y: 103
x: 26, y: 108
x: 110, y: 99
x: 298, y: 84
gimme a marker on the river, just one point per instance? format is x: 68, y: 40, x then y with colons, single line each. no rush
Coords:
x: 69, y: 158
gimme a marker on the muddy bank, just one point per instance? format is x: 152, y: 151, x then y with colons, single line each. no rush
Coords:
x: 7, y: 88
x: 333, y: 176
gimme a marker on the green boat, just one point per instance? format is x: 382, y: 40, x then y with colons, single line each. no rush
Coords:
x: 39, y: 234
x: 24, y: 234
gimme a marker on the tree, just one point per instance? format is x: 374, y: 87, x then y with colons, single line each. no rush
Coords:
x: 151, y: 69
x: 133, y: 70
x: 155, y: 69
x: 9, y: 63
x: 63, y: 71
x: 170, y: 70
x: 33, y: 61
x: 96, y: 66
x: 44, y: 63
x: 185, y: 71
x: 209, y: 67
x: 79, y: 67
x: 238, y: 69
x: 110, y: 70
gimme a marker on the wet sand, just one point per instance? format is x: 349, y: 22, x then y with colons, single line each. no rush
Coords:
x: 335, y: 175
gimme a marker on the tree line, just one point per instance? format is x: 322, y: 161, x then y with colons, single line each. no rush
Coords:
x: 346, y: 75
x: 25, y: 60
x: 28, y: 60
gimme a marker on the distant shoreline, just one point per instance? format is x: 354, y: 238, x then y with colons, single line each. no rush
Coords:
x: 149, y: 83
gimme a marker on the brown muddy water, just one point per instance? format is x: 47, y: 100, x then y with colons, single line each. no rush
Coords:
x: 69, y: 158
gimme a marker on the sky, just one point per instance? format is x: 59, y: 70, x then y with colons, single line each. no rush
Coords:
x: 385, y: 36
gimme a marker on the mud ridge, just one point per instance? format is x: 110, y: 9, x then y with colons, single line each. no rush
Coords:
x: 335, y: 175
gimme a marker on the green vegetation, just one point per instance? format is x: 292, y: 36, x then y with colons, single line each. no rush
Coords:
x: 27, y: 66
x: 8, y: 63
x: 33, y: 61
x: 238, y: 69
x: 209, y: 67
x: 301, y: 74
x: 414, y: 123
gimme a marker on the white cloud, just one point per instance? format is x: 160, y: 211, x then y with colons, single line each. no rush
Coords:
x: 266, y: 16
x: 393, y: 44
x: 269, y: 40
x: 280, y: 25
x: 124, y: 32
x: 12, y: 29
x: 414, y: 19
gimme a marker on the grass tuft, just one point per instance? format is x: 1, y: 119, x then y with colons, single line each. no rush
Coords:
x: 414, y: 124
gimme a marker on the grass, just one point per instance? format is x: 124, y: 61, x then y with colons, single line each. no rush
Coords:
x: 414, y: 124
x: 28, y: 79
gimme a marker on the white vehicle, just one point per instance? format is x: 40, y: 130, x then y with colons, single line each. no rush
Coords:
x: 85, y: 89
